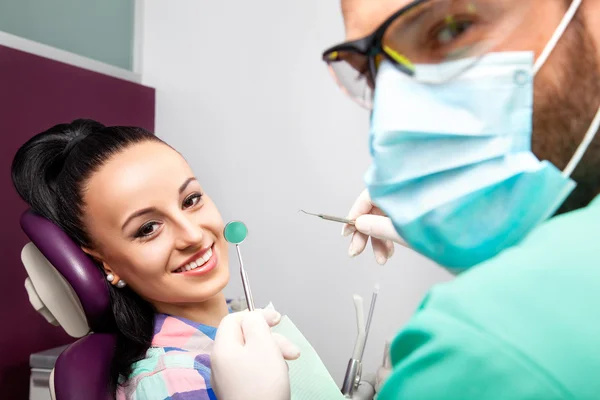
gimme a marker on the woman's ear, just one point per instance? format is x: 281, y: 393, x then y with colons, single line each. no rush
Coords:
x: 95, y: 255
x: 113, y: 278
x: 92, y: 253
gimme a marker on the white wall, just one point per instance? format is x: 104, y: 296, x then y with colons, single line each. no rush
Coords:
x: 242, y: 93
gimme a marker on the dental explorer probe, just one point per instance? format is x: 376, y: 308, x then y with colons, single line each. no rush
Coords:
x: 330, y: 218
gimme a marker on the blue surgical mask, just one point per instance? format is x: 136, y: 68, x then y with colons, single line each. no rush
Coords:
x: 452, y: 163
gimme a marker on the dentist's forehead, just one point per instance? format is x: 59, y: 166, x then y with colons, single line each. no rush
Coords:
x: 362, y: 17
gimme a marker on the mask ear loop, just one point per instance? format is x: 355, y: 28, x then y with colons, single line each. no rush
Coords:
x: 560, y: 30
x: 585, y: 143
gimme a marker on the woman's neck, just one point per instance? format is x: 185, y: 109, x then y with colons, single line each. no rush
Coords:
x: 209, y: 312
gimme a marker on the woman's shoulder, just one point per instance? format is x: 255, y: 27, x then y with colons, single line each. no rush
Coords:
x: 166, y: 371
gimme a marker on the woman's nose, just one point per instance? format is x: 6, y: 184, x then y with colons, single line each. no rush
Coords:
x: 189, y: 233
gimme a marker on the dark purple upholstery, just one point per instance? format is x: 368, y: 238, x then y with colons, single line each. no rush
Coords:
x: 75, y: 266
x: 82, y: 371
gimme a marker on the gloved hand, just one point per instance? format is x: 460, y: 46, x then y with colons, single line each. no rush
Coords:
x: 248, y: 361
x: 371, y: 222
x: 366, y: 389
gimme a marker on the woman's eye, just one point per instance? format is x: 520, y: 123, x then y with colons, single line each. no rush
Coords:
x: 451, y: 31
x: 147, y: 229
x: 192, y: 200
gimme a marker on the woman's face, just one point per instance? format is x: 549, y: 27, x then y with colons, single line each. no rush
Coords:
x: 153, y: 226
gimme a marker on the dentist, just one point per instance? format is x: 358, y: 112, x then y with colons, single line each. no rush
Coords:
x: 485, y: 158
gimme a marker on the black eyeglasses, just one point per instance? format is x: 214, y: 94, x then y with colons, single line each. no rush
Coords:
x: 425, y: 32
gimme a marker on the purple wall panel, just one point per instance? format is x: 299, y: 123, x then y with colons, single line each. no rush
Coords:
x: 36, y: 93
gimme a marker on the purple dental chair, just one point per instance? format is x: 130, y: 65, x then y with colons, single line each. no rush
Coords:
x: 66, y: 287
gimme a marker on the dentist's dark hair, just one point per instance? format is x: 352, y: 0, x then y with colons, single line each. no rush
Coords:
x: 50, y: 172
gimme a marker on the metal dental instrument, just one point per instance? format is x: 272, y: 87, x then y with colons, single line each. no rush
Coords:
x: 370, y: 318
x: 235, y: 232
x: 354, y: 370
x: 330, y: 218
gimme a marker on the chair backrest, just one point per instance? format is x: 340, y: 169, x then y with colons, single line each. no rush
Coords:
x: 81, y: 371
x: 67, y: 288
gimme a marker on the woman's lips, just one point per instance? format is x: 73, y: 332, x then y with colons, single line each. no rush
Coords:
x: 204, y: 268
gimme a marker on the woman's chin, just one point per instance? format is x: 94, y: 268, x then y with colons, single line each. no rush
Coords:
x: 199, y: 291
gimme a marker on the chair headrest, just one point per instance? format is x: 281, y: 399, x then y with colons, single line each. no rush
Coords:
x: 51, y: 295
x: 84, y: 277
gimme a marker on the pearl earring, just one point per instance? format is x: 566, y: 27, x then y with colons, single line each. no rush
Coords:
x: 110, y: 277
x: 121, y: 284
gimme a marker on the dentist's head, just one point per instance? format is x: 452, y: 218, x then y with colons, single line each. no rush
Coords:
x: 134, y: 205
x: 566, y: 90
x: 484, y: 115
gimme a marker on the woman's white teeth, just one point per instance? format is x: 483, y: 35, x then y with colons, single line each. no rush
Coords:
x: 198, y: 263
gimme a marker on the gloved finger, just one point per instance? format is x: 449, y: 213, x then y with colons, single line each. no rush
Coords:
x: 347, y: 230
x: 231, y: 325
x: 255, y: 329
x: 230, y: 331
x: 289, y: 350
x: 357, y: 244
x: 364, y: 391
x: 362, y: 205
x: 383, y: 249
x: 380, y: 250
x: 389, y: 245
x: 378, y: 227
x: 272, y: 317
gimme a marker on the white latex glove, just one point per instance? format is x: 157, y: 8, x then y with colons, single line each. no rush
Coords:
x: 366, y: 389
x: 371, y: 222
x: 248, y: 361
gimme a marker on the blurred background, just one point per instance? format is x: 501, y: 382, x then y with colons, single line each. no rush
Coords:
x: 239, y: 89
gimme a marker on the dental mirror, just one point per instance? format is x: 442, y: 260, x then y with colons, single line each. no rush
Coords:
x: 235, y: 232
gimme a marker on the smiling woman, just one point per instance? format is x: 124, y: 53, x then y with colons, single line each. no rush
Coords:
x: 134, y: 206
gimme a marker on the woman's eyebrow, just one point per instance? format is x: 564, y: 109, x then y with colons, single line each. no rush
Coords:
x: 185, y: 184
x: 136, y: 214
x: 149, y: 210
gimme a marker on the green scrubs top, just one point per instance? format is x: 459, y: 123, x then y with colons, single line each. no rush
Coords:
x: 523, y: 325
